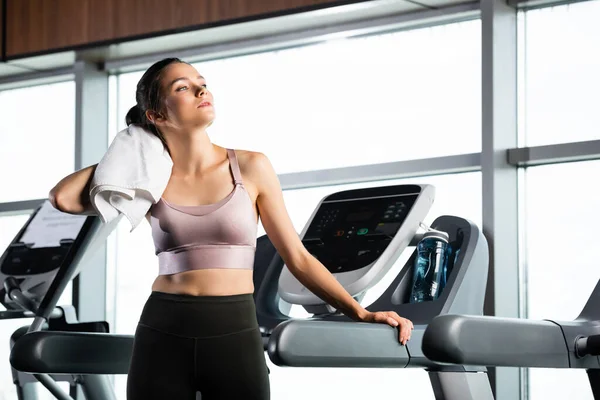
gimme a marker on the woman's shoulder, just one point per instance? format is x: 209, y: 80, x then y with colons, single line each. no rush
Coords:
x: 253, y: 164
x: 250, y: 160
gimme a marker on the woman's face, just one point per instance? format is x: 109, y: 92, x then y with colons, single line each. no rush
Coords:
x: 187, y: 103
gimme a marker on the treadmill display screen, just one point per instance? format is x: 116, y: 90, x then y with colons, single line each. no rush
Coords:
x: 44, y: 243
x: 348, y: 235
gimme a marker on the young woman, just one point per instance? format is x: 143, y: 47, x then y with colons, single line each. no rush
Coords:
x: 198, y: 329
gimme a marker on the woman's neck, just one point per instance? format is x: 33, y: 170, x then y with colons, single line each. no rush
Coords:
x: 192, y: 153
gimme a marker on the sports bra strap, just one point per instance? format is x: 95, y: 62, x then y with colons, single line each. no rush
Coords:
x: 235, y: 167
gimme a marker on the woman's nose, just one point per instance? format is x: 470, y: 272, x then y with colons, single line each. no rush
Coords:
x: 201, y: 91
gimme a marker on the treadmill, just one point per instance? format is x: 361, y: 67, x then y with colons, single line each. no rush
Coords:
x: 35, y: 268
x: 358, y: 235
x: 514, y: 342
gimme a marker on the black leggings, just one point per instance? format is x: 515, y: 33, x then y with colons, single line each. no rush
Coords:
x: 210, y: 344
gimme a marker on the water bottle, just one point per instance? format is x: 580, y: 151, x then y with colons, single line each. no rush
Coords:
x: 430, y: 266
x: 448, y: 265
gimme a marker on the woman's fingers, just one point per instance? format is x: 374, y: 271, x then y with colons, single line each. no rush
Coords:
x: 406, y: 326
x: 391, y: 318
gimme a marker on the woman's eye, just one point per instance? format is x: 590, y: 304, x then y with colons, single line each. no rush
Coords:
x: 180, y: 88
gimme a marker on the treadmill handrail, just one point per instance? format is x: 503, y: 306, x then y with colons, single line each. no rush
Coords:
x: 497, y: 341
x: 56, y: 352
x: 323, y: 343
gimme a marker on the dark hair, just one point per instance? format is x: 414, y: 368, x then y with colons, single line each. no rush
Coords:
x: 148, y: 96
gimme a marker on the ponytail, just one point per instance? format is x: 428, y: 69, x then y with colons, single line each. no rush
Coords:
x: 134, y: 116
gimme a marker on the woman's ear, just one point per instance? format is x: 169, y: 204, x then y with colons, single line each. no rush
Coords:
x: 154, y: 117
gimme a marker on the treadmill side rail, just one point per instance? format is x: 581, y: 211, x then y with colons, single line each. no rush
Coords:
x: 304, y: 343
x: 495, y: 341
x: 72, y: 353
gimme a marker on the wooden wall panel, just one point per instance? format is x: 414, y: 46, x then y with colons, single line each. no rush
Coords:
x: 139, y: 17
x: 101, y: 21
x: 65, y: 22
x: 35, y: 26
x: 24, y: 26
x: 43, y: 26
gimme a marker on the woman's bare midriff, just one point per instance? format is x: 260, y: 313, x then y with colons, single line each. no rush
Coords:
x: 206, y: 282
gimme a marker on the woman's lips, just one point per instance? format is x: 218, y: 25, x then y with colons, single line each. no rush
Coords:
x: 204, y: 104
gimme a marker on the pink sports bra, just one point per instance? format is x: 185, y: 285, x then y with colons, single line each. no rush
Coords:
x: 219, y: 235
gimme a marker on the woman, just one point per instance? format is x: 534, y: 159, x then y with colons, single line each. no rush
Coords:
x: 198, y: 330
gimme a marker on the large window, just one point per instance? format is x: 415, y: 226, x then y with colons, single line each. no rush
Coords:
x: 558, y: 86
x: 390, y: 97
x: 561, y: 81
x: 561, y: 221
x: 38, y: 139
x: 37, y: 148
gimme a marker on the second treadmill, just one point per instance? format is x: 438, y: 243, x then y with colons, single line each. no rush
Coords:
x: 330, y: 339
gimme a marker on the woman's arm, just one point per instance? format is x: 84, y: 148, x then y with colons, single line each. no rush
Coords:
x: 72, y: 193
x: 303, y: 265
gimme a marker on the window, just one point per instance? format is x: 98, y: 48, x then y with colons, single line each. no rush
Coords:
x: 132, y: 268
x: 348, y: 102
x: 561, y: 222
x: 38, y: 139
x: 9, y: 227
x: 561, y: 81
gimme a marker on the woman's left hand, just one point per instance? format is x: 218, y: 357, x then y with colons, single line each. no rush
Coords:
x: 393, y: 319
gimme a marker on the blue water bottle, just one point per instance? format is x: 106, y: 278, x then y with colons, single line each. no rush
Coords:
x: 451, y: 258
x: 430, y: 266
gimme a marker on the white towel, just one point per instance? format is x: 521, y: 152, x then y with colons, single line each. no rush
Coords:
x: 132, y: 175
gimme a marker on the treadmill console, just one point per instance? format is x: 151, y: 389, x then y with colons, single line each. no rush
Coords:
x: 347, y: 235
x: 46, y: 242
x: 358, y: 235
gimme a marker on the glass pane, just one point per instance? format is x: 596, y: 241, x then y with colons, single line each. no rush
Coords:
x: 9, y: 227
x: 560, y: 278
x: 126, y: 86
x: 38, y: 139
x: 561, y: 74
x: 136, y: 268
x: 132, y: 268
x: 322, y: 106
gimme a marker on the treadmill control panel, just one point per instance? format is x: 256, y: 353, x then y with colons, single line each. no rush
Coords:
x: 346, y: 235
x: 43, y: 244
x: 21, y: 260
